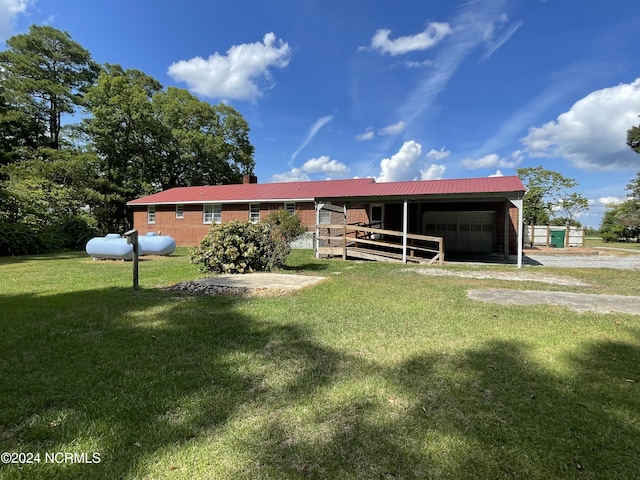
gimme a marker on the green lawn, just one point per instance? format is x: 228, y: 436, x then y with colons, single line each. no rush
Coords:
x: 598, y: 242
x: 375, y: 373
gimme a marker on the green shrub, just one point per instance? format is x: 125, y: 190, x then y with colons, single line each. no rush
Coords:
x: 284, y: 228
x: 235, y: 247
x: 20, y: 239
x: 612, y: 233
x: 67, y: 233
x: 244, y: 247
x: 74, y: 231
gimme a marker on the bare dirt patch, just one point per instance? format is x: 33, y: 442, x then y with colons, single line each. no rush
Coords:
x: 516, y: 275
x: 580, y: 302
x: 248, y: 284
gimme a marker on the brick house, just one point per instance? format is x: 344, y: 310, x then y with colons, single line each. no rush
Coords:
x: 478, y: 215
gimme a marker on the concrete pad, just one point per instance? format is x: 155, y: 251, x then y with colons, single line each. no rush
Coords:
x: 580, y: 302
x: 271, y: 281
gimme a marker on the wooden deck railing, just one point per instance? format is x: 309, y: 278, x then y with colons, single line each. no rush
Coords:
x: 362, y: 241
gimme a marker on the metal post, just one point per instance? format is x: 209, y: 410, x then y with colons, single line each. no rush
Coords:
x: 405, y: 213
x: 132, y: 239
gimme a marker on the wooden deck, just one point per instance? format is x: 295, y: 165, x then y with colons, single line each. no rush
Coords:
x: 363, y: 242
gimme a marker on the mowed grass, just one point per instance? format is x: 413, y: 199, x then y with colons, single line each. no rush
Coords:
x: 377, y: 372
x: 598, y: 242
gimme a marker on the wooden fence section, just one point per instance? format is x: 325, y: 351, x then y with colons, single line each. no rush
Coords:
x: 359, y: 241
x: 541, y: 235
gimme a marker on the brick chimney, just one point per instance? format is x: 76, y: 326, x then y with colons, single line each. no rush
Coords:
x: 248, y: 178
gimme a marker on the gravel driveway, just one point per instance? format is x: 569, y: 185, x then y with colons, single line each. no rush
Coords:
x: 628, y: 262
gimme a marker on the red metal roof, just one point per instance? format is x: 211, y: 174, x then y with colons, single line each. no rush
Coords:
x: 508, y: 184
x: 327, y: 189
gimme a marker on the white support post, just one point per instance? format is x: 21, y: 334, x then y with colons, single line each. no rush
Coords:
x: 405, y: 216
x: 318, y: 208
x: 518, y: 204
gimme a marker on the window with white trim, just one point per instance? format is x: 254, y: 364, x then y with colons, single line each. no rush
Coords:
x: 179, y: 211
x: 151, y: 214
x: 212, y: 213
x: 290, y: 207
x: 254, y: 212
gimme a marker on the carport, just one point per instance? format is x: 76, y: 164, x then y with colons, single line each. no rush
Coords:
x: 479, y: 215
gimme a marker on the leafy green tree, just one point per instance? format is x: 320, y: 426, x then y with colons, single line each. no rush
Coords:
x: 198, y: 143
x: 634, y: 187
x: 633, y: 138
x: 549, y: 196
x: 621, y: 222
x: 52, y: 183
x: 150, y: 139
x: 46, y: 202
x: 44, y: 75
x: 123, y: 131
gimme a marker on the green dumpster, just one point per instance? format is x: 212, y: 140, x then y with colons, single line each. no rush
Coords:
x: 557, y: 238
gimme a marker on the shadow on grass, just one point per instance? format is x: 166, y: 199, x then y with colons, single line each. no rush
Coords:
x: 44, y: 256
x: 486, y: 413
x: 308, y: 267
x: 134, y: 375
x: 129, y: 373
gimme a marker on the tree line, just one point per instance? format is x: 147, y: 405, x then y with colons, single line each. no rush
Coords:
x: 622, y: 221
x: 79, y: 139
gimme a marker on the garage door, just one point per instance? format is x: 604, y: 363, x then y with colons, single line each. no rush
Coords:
x: 462, y: 231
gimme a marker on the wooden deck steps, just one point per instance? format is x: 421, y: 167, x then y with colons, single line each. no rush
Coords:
x: 359, y: 241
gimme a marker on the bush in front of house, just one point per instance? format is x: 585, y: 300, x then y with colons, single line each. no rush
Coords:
x: 284, y: 228
x: 244, y: 247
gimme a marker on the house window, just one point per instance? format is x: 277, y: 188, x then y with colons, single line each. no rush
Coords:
x: 254, y: 212
x: 376, y: 216
x: 151, y: 214
x: 325, y: 215
x: 290, y: 207
x: 179, y: 211
x: 212, y: 213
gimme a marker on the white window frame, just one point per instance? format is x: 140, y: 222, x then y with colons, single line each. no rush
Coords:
x: 254, y: 212
x: 180, y: 211
x: 211, y: 213
x: 151, y: 214
x: 290, y: 207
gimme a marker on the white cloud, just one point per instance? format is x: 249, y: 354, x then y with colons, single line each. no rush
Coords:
x: 438, y: 154
x: 393, y: 129
x: 492, y: 160
x: 609, y: 200
x: 422, y: 64
x: 315, y: 128
x: 592, y: 134
x: 9, y: 10
x: 403, y: 165
x: 431, y: 36
x: 494, y: 42
x: 325, y: 165
x: 236, y: 75
x: 369, y: 135
x: 293, y: 175
x: 497, y: 174
x: 472, y: 28
x: 434, y: 172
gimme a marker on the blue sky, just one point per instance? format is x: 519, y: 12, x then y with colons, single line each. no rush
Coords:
x: 397, y: 90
